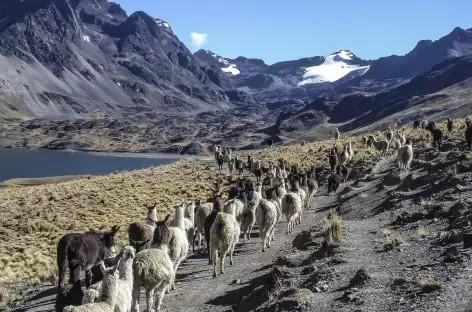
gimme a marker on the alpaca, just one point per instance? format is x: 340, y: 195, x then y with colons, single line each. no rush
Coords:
x: 416, y: 124
x: 334, y: 180
x: 266, y: 218
x: 189, y: 219
x: 291, y: 208
x: 201, y: 213
x: 400, y: 139
x: 344, y: 173
x: 258, y: 170
x: 124, y: 283
x: 224, y: 234
x: 381, y: 146
x: 139, y: 232
x: 109, y: 293
x: 81, y: 252
x: 174, y: 237
x: 154, y: 271
x: 468, y: 133
x: 405, y: 156
x: 349, y: 150
x: 424, y: 123
x: 364, y: 141
x: 450, y: 124
x: 336, y: 134
x: 333, y: 159
x: 217, y: 208
x: 436, y: 133
x: 389, y: 134
x: 248, y: 219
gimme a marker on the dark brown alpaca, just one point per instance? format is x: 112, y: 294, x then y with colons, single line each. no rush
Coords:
x: 81, y: 252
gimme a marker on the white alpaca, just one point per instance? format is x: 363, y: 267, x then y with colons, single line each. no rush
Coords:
x: 189, y: 219
x: 266, y: 218
x: 291, y: 208
x: 174, y: 237
x: 238, y: 207
x: 153, y: 270
x: 401, y: 139
x: 405, y: 156
x: 124, y: 284
x: 224, y: 234
x: 109, y: 292
x: 350, y: 152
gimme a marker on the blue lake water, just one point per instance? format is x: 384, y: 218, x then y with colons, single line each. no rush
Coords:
x: 29, y: 163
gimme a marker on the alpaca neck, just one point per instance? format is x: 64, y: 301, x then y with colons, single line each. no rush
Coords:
x: 151, y: 216
x: 179, y: 218
x: 109, y: 289
x: 126, y: 271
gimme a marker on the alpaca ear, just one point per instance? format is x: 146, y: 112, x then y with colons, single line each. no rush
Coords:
x: 115, y: 229
x: 167, y: 218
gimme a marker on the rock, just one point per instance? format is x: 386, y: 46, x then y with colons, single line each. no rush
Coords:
x: 467, y: 240
x: 451, y: 254
x: 195, y: 149
x: 360, y: 278
x: 291, y: 260
x: 302, y: 240
x: 236, y: 281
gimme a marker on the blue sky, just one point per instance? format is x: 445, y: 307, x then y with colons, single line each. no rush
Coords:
x: 279, y: 30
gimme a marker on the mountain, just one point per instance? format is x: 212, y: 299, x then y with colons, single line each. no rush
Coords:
x: 62, y: 59
x: 282, y: 80
x: 343, y: 72
x: 356, y: 111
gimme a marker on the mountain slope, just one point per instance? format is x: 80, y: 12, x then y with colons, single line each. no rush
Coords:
x: 66, y: 58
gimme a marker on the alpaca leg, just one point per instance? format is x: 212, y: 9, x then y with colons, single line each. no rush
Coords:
x: 263, y: 238
x: 231, y: 251
x: 249, y: 233
x: 149, y: 299
x: 159, y: 291
x: 222, y: 262
x: 88, y: 278
x: 136, y: 294
x: 272, y: 232
x: 214, y: 257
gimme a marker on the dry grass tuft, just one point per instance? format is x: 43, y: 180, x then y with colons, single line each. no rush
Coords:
x: 332, y: 229
x: 423, y: 232
x: 430, y: 285
x: 391, y: 240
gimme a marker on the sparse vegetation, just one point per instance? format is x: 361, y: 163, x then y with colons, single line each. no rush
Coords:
x: 332, y: 229
x: 423, y: 232
x: 429, y: 285
x: 391, y: 240
x: 360, y: 278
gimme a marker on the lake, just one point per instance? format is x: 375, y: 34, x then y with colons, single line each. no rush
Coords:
x: 30, y: 163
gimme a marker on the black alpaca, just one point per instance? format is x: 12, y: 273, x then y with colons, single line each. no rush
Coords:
x: 81, y: 252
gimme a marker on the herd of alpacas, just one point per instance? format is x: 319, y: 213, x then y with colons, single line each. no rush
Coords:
x: 158, y: 247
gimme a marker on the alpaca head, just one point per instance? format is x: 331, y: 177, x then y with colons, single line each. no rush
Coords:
x: 161, y: 233
x: 108, y: 240
x: 467, y: 122
x: 151, y: 215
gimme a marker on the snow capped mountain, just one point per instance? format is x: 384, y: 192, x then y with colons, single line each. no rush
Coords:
x: 335, y: 66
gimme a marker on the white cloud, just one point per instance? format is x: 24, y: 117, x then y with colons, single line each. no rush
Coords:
x: 198, y: 39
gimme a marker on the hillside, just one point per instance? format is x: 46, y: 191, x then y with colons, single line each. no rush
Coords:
x: 402, y: 243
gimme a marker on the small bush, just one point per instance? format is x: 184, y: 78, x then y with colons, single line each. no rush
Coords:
x: 333, y: 229
x: 429, y: 285
x: 423, y: 232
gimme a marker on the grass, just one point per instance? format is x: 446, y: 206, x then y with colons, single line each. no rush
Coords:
x: 332, y: 229
x: 423, y: 232
x: 391, y: 240
x: 430, y: 285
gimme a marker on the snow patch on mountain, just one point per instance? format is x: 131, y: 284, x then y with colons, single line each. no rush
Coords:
x: 333, y: 68
x: 231, y: 69
x: 163, y: 24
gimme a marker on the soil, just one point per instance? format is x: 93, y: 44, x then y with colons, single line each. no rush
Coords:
x: 406, y: 247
